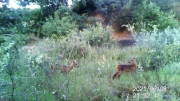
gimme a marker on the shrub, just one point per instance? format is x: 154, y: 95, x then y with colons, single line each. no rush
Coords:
x: 162, y: 48
x: 165, y: 5
x: 25, y: 20
x: 150, y: 14
x: 97, y: 35
x: 59, y: 26
x: 141, y: 11
x: 176, y: 9
x: 63, y: 21
x: 73, y: 46
x: 78, y: 19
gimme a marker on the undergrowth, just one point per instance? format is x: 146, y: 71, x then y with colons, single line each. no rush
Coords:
x: 157, y: 56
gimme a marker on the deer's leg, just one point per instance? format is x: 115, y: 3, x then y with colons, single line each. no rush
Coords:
x: 117, y: 75
x: 114, y: 76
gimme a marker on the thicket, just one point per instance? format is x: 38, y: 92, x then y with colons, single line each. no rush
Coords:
x: 156, y: 50
x: 162, y: 48
x: 150, y: 14
x: 63, y: 21
x: 123, y: 12
x: 169, y: 5
x: 25, y: 72
x: 77, y: 43
x: 144, y: 13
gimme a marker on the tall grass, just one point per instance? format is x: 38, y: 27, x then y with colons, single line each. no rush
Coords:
x: 93, y: 79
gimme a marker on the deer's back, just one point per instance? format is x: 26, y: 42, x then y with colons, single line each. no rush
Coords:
x: 126, y: 67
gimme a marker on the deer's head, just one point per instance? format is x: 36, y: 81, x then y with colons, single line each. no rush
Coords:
x: 75, y: 64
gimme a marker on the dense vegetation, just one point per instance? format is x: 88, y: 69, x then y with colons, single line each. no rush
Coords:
x: 33, y: 40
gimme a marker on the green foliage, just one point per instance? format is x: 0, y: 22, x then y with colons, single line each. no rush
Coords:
x: 70, y: 47
x: 9, y: 17
x: 9, y: 42
x: 66, y: 11
x: 150, y: 14
x: 74, y: 46
x: 176, y: 9
x: 92, y: 21
x: 24, y: 20
x: 123, y: 18
x: 32, y: 21
x: 25, y: 73
x: 141, y: 11
x: 169, y: 5
x: 97, y: 35
x: 42, y: 2
x: 109, y: 6
x: 165, y: 5
x: 92, y: 80
x: 60, y: 27
x: 161, y: 48
x: 9, y: 64
x: 84, y: 7
x: 106, y: 7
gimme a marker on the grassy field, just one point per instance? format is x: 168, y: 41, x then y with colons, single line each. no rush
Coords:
x: 29, y: 78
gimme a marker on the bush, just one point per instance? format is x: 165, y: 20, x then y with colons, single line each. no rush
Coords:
x: 150, y: 14
x: 162, y: 48
x: 141, y: 11
x: 59, y: 26
x: 97, y: 35
x: 73, y: 46
x: 78, y: 19
x: 25, y: 20
x: 165, y: 5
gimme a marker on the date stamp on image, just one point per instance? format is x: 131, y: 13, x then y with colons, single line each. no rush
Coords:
x: 149, y: 91
x: 146, y: 95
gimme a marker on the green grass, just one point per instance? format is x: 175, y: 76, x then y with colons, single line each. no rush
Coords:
x: 92, y: 81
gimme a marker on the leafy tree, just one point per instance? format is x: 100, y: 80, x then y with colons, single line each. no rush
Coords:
x: 164, y: 5
x: 61, y: 24
x: 169, y: 5
x: 150, y: 14
x: 43, y: 2
x: 47, y: 6
x: 108, y: 8
x: 84, y: 7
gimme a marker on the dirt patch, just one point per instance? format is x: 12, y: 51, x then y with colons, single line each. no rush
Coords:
x: 120, y: 35
x: 124, y: 38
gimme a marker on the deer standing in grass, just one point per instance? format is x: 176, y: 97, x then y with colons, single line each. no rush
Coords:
x: 131, y: 66
x: 67, y: 69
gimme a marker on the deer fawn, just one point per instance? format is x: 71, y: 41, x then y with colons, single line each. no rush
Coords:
x: 67, y: 69
x: 131, y: 66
